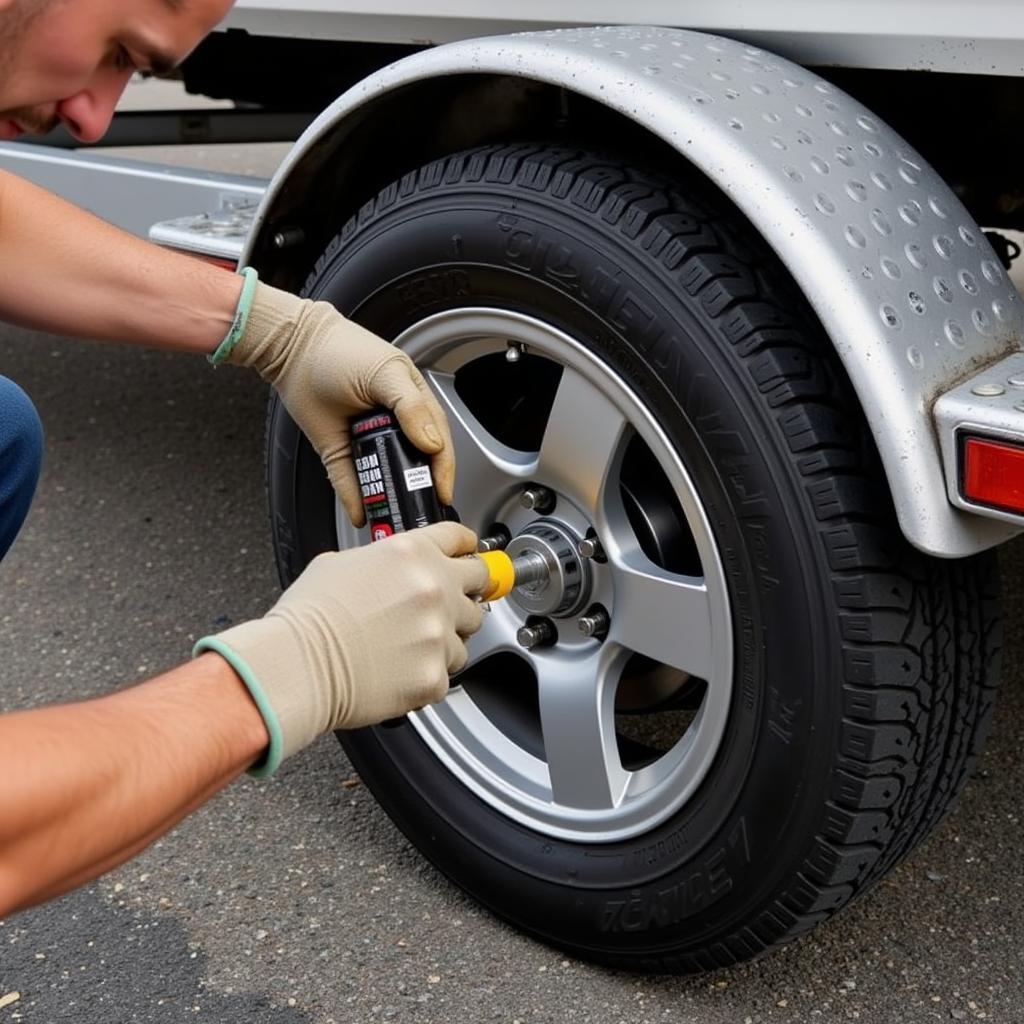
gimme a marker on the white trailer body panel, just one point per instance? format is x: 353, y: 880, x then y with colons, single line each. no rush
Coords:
x: 985, y: 37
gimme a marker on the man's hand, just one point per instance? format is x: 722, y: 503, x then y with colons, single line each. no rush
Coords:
x: 361, y: 636
x: 326, y: 370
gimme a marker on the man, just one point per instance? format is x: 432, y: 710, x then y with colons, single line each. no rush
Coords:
x: 360, y: 637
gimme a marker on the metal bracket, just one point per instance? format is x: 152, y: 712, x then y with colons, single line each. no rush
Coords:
x: 220, y: 233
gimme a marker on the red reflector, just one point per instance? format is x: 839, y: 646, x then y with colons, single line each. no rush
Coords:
x: 994, y: 474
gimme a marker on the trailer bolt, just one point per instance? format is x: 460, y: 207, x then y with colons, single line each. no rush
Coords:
x: 590, y: 547
x: 988, y: 390
x: 537, y: 635
x: 537, y: 499
x: 1016, y: 381
x: 595, y: 623
x: 287, y: 237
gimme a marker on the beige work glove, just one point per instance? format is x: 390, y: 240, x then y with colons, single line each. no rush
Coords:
x: 361, y: 636
x: 326, y: 370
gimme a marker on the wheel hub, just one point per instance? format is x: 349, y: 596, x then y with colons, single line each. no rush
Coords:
x: 567, y: 586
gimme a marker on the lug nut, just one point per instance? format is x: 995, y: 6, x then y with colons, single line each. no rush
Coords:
x: 514, y: 352
x: 590, y: 547
x: 537, y: 635
x: 537, y: 499
x: 496, y: 541
x: 595, y: 623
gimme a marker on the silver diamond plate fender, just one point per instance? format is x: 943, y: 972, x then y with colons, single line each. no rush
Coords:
x: 909, y: 290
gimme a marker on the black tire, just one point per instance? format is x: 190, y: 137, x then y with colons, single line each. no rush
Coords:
x: 864, y: 671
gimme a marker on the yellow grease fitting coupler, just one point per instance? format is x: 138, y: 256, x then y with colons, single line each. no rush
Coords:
x: 507, y: 573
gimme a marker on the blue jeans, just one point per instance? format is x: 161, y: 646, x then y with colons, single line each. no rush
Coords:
x: 21, y: 457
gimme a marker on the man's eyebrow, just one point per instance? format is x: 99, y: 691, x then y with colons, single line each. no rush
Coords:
x: 150, y: 57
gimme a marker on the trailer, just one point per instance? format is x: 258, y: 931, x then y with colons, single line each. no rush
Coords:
x: 708, y: 302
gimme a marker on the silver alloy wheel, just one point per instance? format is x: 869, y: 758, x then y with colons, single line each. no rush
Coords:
x: 580, y: 789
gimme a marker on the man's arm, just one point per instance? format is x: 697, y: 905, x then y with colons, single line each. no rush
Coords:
x: 65, y: 271
x: 88, y: 785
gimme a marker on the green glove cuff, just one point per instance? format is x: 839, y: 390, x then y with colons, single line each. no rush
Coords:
x: 268, y: 765
x: 241, y: 318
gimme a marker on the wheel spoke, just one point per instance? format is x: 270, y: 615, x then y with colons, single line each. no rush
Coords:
x: 486, y: 469
x: 662, y: 615
x: 583, y: 437
x: 577, y: 709
x: 496, y: 634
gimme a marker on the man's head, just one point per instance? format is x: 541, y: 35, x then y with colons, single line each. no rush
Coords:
x: 69, y: 60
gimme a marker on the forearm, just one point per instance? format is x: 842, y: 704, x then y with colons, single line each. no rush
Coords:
x: 65, y: 271
x: 88, y: 785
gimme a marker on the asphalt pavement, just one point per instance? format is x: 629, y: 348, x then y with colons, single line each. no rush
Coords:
x: 295, y: 900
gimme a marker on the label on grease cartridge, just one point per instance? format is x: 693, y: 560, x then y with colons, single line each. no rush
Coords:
x: 394, y: 476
